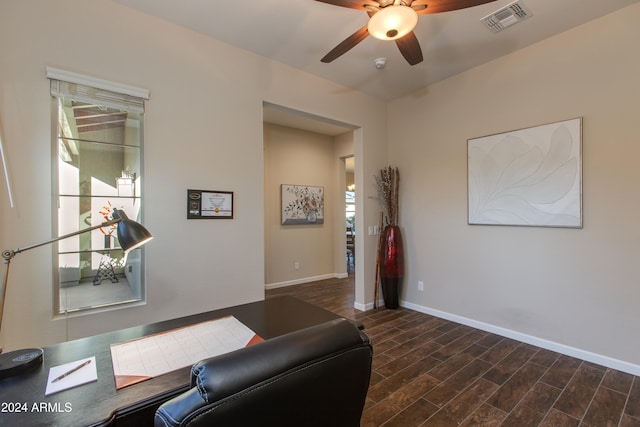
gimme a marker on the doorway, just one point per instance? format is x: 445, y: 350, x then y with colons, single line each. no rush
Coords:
x: 350, y: 214
x: 301, y: 148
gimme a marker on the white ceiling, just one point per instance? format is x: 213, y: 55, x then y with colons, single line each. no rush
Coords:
x: 300, y: 32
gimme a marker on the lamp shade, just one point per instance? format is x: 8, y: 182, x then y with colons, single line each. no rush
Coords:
x: 392, y: 22
x: 130, y: 233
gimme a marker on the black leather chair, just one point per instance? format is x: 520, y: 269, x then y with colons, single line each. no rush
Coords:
x: 317, y: 376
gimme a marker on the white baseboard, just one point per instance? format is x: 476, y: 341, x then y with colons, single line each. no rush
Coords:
x: 361, y: 307
x: 599, y: 359
x: 369, y: 306
x: 539, y: 342
x: 305, y: 280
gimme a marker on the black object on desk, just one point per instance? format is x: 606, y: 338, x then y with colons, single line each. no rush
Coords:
x: 99, y: 403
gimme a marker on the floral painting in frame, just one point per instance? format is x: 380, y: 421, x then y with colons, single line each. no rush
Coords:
x: 302, y: 204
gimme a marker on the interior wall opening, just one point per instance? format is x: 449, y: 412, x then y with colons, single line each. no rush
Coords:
x: 350, y: 214
x: 291, y: 140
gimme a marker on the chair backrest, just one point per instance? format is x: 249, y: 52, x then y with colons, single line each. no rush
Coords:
x: 317, y: 376
x: 351, y: 237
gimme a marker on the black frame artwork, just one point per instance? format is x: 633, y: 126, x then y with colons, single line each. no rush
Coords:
x: 209, y: 204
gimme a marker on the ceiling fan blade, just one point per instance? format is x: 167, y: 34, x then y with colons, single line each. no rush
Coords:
x: 351, y: 4
x: 410, y: 48
x: 346, y: 45
x: 437, y: 6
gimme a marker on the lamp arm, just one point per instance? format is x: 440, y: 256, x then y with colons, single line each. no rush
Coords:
x: 9, y: 254
x: 133, y: 236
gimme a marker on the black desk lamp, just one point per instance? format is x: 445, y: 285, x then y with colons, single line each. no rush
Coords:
x: 130, y: 235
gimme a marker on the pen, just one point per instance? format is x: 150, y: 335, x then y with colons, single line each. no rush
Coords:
x: 82, y: 365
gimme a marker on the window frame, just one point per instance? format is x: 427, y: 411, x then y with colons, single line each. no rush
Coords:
x: 119, y: 96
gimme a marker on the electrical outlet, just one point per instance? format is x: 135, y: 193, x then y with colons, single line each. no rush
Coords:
x: 296, y: 265
x: 420, y: 285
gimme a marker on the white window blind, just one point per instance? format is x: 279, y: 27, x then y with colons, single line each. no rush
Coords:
x: 77, y: 87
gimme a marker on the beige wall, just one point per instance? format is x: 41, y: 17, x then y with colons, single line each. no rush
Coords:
x: 203, y: 129
x: 577, y: 288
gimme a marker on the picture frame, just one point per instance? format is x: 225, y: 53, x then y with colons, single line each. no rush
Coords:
x: 209, y: 204
x: 302, y: 204
x: 527, y: 177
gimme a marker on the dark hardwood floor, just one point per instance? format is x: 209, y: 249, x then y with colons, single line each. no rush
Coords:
x: 433, y: 372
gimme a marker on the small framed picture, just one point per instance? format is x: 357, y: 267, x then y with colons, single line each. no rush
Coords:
x: 302, y: 204
x: 205, y: 204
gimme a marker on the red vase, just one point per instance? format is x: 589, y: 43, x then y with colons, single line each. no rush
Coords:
x: 391, y: 265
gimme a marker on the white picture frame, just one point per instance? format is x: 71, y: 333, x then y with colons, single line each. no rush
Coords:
x: 527, y: 177
x: 302, y: 204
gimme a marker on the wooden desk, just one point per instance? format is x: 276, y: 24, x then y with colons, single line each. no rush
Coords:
x: 22, y: 399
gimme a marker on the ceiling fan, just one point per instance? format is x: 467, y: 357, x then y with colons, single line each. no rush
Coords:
x: 394, y: 20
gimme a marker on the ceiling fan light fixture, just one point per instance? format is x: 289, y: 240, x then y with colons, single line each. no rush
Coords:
x: 392, y: 22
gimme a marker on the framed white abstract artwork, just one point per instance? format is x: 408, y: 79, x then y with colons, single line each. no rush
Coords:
x: 527, y: 177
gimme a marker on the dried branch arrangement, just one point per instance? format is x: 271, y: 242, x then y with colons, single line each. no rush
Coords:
x: 387, y: 185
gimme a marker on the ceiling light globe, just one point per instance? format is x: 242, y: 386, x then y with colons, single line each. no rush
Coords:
x: 392, y: 22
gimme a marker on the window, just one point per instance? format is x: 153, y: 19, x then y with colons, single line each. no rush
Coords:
x: 350, y: 208
x: 98, y: 166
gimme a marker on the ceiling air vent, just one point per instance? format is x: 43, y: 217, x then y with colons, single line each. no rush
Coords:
x: 507, y: 16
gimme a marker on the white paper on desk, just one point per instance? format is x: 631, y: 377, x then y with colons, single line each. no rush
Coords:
x: 150, y: 356
x: 84, y: 375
